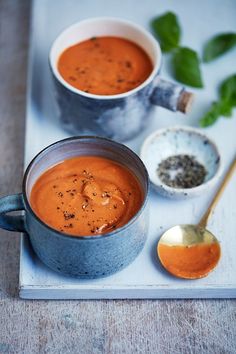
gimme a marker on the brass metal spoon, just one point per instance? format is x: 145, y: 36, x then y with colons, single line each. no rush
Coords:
x: 191, y: 251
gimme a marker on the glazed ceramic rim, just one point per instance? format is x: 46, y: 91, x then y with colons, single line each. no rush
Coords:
x: 149, y: 36
x: 181, y: 191
x: 89, y: 237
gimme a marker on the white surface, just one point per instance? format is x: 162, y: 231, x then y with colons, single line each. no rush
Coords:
x: 144, y: 278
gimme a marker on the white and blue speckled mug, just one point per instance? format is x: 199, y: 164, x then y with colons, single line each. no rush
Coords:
x: 81, y: 256
x: 120, y: 116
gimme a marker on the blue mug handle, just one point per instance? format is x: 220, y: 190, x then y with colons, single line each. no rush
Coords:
x: 12, y: 203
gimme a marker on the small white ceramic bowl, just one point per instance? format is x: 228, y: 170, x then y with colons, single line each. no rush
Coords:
x: 164, y: 143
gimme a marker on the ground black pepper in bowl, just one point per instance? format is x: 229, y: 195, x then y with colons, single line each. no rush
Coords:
x: 181, y: 171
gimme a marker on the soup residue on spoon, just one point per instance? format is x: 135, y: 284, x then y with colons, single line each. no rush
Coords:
x: 189, y: 262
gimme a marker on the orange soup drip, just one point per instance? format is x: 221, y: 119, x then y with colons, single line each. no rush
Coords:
x: 105, y: 65
x: 86, y: 195
x: 189, y: 262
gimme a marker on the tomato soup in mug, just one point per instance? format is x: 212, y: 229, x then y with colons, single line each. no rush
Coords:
x: 105, y: 65
x: 86, y: 195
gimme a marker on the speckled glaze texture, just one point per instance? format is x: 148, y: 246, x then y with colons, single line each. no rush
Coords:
x: 164, y: 143
x: 119, y: 119
x: 92, y: 257
x: 83, y: 256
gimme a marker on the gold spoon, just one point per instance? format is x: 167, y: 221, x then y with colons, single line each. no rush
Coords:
x: 191, y: 251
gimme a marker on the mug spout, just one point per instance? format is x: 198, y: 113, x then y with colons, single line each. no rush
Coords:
x: 171, y: 96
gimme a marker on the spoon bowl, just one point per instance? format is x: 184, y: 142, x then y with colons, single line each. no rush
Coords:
x: 188, y: 251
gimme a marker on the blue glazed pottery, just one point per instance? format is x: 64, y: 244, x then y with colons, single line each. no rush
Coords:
x: 120, y: 116
x: 83, y: 256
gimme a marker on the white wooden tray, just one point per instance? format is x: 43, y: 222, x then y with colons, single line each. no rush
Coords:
x: 144, y: 278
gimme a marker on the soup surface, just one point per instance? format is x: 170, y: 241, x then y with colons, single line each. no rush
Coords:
x: 86, y: 195
x: 105, y: 65
x: 189, y: 262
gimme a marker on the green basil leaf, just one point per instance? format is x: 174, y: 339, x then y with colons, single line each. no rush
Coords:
x: 186, y: 67
x: 225, y: 104
x: 167, y: 30
x: 228, y: 90
x: 219, y: 108
x: 211, y: 116
x: 225, y: 107
x: 218, y: 45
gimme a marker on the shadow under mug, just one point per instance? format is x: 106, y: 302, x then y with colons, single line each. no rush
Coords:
x: 83, y: 256
x: 120, y: 116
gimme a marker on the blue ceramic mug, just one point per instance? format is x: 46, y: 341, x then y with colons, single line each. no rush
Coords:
x: 83, y: 256
x: 120, y: 116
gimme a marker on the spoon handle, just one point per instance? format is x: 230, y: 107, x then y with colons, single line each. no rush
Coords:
x: 204, y: 220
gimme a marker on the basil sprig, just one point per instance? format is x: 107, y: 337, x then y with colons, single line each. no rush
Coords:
x: 186, y: 63
x: 225, y: 104
x: 218, y: 45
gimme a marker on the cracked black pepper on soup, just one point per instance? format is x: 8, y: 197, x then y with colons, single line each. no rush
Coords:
x: 86, y: 195
x: 105, y: 65
x: 181, y: 171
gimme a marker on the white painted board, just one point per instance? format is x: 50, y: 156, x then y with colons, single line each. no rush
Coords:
x: 144, y: 278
